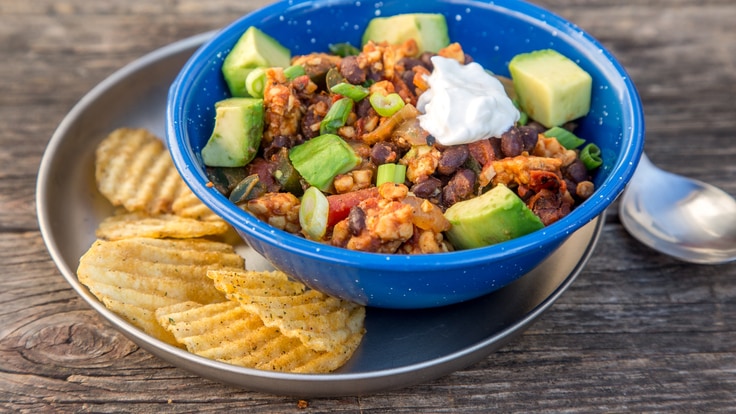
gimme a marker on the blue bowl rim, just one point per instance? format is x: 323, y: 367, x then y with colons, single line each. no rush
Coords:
x: 605, y: 194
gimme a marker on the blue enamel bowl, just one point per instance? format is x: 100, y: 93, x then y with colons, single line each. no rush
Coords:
x: 492, y: 32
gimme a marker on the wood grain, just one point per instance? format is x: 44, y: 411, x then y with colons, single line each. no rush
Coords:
x: 637, y: 332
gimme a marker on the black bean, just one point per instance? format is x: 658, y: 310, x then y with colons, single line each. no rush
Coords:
x: 409, y: 62
x: 571, y: 187
x: 278, y: 142
x: 356, y: 221
x: 452, y: 158
x: 511, y: 143
x: 351, y: 71
x: 529, y: 137
x: 496, y: 147
x: 576, y: 171
x: 426, y: 59
x: 408, y: 78
x: 459, y: 188
x: 428, y: 189
x: 363, y: 108
x: 309, y: 119
x: 375, y: 75
x: 383, y: 153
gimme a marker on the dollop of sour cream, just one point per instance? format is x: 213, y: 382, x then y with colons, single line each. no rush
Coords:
x: 464, y: 104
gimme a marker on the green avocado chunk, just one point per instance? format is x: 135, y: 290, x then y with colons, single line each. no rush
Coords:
x: 429, y: 30
x: 495, y: 216
x: 254, y: 49
x: 552, y: 89
x: 237, y: 133
x: 321, y: 158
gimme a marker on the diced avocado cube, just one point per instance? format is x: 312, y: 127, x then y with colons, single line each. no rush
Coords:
x: 493, y: 217
x: 552, y: 89
x: 429, y: 30
x: 237, y: 133
x: 321, y: 158
x: 254, y: 49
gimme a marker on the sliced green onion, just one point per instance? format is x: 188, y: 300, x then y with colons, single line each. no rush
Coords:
x: 590, y: 155
x: 566, y: 138
x: 344, y: 49
x: 294, y: 71
x: 255, y: 82
x: 386, y: 105
x: 348, y: 90
x: 390, y: 173
x: 336, y: 116
x: 523, y: 118
x: 313, y: 212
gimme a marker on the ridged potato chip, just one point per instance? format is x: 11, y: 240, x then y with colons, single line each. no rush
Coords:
x: 226, y: 332
x: 321, y: 322
x: 188, y: 205
x: 138, y: 224
x: 151, y: 273
x: 133, y: 169
x: 141, y: 317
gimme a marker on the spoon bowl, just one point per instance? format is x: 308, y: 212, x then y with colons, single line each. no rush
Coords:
x: 685, y: 218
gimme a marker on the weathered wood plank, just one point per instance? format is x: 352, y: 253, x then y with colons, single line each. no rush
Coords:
x: 638, y: 331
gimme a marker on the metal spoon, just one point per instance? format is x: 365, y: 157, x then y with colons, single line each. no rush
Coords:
x: 687, y: 219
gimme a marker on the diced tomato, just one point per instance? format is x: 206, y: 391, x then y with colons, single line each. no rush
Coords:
x: 340, y: 204
x: 544, y: 179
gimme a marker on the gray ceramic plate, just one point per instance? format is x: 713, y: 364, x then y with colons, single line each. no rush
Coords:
x: 401, y: 348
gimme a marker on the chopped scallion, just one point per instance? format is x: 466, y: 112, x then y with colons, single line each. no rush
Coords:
x: 566, y: 138
x: 523, y: 118
x: 590, y: 155
x: 294, y: 71
x: 386, y: 105
x: 336, y: 116
x: 354, y: 92
x: 255, y: 82
x: 390, y: 173
x: 313, y: 212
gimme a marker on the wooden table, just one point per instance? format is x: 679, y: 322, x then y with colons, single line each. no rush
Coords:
x: 637, y: 332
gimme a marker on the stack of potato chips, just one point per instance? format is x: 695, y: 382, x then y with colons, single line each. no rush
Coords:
x: 162, y: 263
